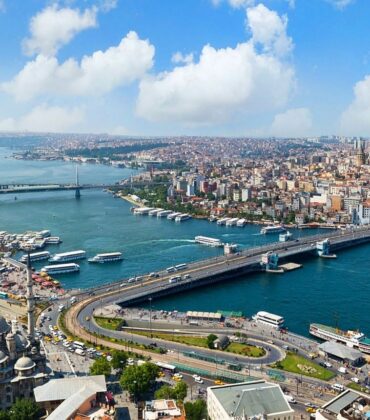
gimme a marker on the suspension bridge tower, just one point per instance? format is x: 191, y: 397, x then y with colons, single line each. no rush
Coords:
x: 77, y: 191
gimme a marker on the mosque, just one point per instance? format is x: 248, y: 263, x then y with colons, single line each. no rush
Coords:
x: 22, y: 363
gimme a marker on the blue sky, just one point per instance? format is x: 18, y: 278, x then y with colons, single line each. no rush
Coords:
x: 174, y: 67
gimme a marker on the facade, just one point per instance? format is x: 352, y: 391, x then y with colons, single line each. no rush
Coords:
x: 256, y: 399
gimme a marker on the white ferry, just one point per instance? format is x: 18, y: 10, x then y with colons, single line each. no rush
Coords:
x: 68, y: 256
x: 154, y: 212
x: 51, y: 240
x: 182, y: 217
x: 222, y: 222
x: 241, y: 222
x: 350, y: 338
x: 43, y: 234
x: 36, y: 256
x: 60, y: 268
x: 284, y: 237
x: 273, y: 229
x: 232, y: 222
x: 164, y: 213
x: 173, y: 215
x: 266, y: 318
x: 204, y: 240
x: 108, y: 257
x: 142, y: 211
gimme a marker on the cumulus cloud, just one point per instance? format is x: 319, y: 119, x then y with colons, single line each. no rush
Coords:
x: 94, y: 75
x: 294, y: 122
x: 54, y: 27
x: 108, y: 5
x: 340, y: 4
x: 178, y: 58
x: 226, y: 81
x: 45, y: 118
x: 236, y: 4
x: 355, y: 120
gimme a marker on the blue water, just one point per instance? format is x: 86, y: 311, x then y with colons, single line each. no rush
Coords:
x: 327, y: 291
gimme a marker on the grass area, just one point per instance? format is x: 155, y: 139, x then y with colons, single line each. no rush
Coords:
x: 245, y: 350
x: 298, y: 364
x: 358, y: 387
x: 108, y: 323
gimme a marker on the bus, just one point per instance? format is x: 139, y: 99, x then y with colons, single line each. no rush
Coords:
x: 181, y: 266
x: 3, y: 295
x: 79, y: 345
x: 166, y: 367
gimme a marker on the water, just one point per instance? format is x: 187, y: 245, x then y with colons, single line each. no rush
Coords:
x: 326, y: 291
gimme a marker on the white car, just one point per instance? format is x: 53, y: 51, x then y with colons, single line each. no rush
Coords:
x: 355, y: 380
x: 198, y: 380
x: 328, y: 365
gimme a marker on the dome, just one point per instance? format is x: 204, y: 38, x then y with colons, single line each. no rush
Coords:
x: 24, y: 363
x: 3, y: 356
x: 4, y: 326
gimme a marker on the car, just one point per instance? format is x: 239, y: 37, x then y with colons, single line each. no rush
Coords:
x: 176, y: 378
x: 285, y: 347
x: 338, y: 387
x: 355, y: 380
x: 199, y: 380
x: 311, y: 410
x: 187, y: 276
x: 109, y: 289
x: 161, y: 374
x: 328, y: 365
x: 342, y: 369
x: 309, y: 404
x: 178, y: 375
x: 123, y: 284
x: 219, y: 382
x: 131, y: 280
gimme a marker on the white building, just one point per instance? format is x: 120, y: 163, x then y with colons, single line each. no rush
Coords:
x: 242, y: 401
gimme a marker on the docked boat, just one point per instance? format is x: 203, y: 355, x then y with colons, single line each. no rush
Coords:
x: 60, y: 268
x: 43, y: 234
x: 204, y: 240
x: 53, y: 240
x: 68, y: 256
x: 266, y: 318
x: 232, y: 222
x: 154, y: 212
x: 36, y: 256
x: 173, y: 215
x: 273, y: 229
x: 182, y: 217
x: 142, y: 211
x: 108, y: 257
x: 354, y: 339
x: 241, y: 222
x: 222, y: 222
x: 164, y: 213
x: 285, y: 237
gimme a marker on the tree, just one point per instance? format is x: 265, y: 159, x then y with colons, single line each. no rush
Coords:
x: 4, y: 415
x: 138, y: 380
x: 196, y: 410
x: 210, y: 339
x: 101, y: 366
x: 165, y: 392
x: 119, y: 359
x: 180, y: 390
x: 24, y: 409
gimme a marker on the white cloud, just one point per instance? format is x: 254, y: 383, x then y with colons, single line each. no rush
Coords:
x: 355, y: 120
x: 45, y: 119
x: 236, y: 4
x: 179, y: 58
x: 294, y: 122
x: 224, y: 82
x: 108, y: 5
x: 340, y: 4
x: 54, y: 27
x: 269, y: 29
x: 2, y: 6
x: 94, y: 75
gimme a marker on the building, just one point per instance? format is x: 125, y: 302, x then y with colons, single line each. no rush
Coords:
x: 162, y: 409
x: 341, y: 352
x: 221, y: 342
x: 256, y: 399
x: 69, y: 398
x: 22, y: 363
x: 347, y: 405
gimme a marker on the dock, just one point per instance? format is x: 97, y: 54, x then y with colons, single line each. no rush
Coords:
x: 290, y: 266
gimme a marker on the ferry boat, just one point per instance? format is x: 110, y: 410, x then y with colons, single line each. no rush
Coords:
x: 232, y: 222
x: 222, y: 222
x: 51, y: 240
x: 173, y: 215
x: 154, y: 212
x: 355, y: 339
x: 36, y: 256
x: 142, y: 211
x: 241, y: 222
x: 68, y: 256
x: 204, y: 240
x: 182, y: 217
x: 284, y: 237
x: 60, y: 268
x: 43, y: 234
x: 273, y: 229
x: 164, y: 213
x: 266, y: 318
x: 108, y: 257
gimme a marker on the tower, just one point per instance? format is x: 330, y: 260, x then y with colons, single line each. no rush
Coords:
x: 77, y: 193
x: 30, y: 300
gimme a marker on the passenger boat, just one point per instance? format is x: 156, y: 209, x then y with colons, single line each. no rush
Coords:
x: 60, y: 268
x: 173, y: 215
x: 241, y: 222
x: 355, y: 339
x: 51, y: 240
x: 284, y: 237
x: 108, y: 257
x: 232, y: 222
x: 36, y: 256
x: 68, y: 256
x: 273, y: 229
x: 266, y: 318
x: 204, y: 240
x: 182, y: 217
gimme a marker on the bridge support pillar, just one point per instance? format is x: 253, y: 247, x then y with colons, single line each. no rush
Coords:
x: 77, y: 193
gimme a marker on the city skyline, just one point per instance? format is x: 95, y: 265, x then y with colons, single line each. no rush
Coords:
x: 202, y: 67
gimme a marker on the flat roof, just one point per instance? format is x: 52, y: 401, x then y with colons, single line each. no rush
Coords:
x: 341, y: 351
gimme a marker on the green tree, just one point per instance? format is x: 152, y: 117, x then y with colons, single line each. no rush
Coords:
x: 101, y: 366
x: 4, y: 415
x: 138, y: 380
x: 180, y: 390
x: 196, y: 410
x: 210, y: 339
x: 119, y: 359
x: 24, y: 409
x: 165, y: 392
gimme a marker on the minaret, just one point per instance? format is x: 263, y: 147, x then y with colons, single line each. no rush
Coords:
x: 30, y: 300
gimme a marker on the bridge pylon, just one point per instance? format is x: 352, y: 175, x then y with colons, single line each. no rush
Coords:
x: 77, y: 191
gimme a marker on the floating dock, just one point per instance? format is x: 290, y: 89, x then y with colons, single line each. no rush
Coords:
x: 290, y: 266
